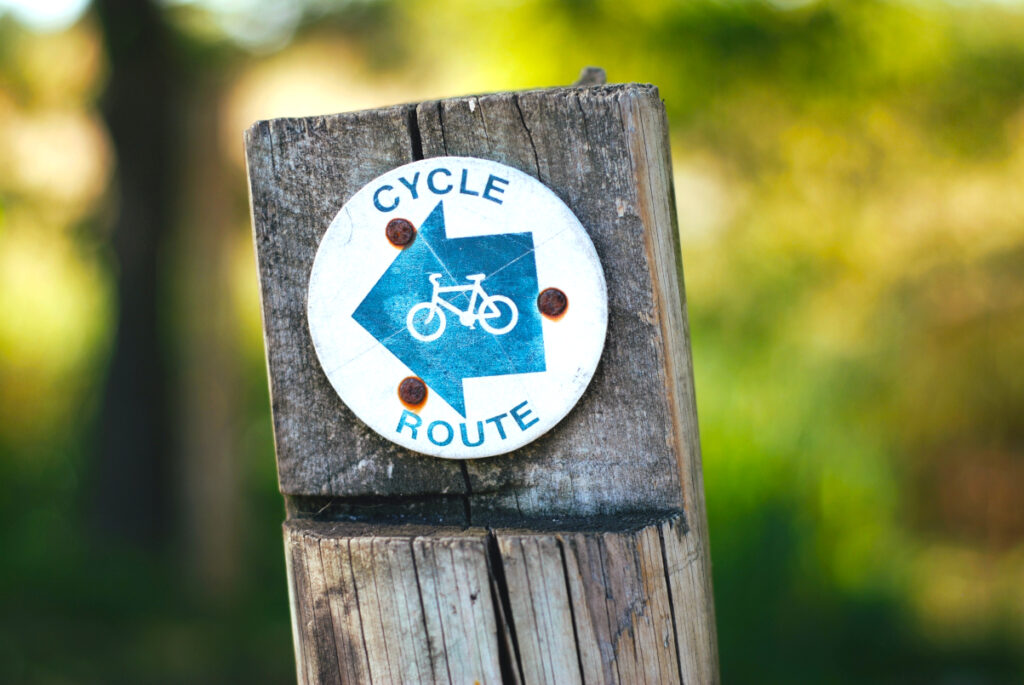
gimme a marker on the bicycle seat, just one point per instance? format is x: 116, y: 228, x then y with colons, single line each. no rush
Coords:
x: 476, y: 277
x: 434, y: 278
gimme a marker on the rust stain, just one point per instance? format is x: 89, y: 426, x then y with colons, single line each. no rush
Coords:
x: 400, y: 233
x: 412, y: 392
x: 553, y: 303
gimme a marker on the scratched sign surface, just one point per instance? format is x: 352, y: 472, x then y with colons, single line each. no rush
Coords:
x: 458, y: 307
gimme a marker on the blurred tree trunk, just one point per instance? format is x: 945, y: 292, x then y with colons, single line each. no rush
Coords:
x: 206, y: 326
x: 134, y: 478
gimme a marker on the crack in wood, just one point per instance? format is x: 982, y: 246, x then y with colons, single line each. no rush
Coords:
x: 572, y: 610
x: 621, y: 625
x: 423, y: 608
x: 508, y: 641
x: 671, y: 605
x: 415, y: 142
x: 440, y: 125
x: 529, y: 135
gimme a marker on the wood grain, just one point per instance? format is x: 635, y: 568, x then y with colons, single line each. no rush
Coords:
x: 392, y: 604
x: 405, y: 604
x: 589, y: 558
x: 596, y: 605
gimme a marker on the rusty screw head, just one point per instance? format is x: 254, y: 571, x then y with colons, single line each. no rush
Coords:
x: 552, y: 302
x: 400, y: 232
x: 412, y: 391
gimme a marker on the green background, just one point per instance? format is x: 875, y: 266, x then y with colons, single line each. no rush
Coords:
x: 848, y: 179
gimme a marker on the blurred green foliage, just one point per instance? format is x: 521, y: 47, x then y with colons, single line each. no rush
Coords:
x: 848, y: 184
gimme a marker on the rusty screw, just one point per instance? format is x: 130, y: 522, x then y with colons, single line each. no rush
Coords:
x: 552, y: 302
x: 412, y: 391
x: 400, y: 232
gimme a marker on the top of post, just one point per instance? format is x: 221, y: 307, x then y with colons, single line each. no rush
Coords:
x: 628, y: 446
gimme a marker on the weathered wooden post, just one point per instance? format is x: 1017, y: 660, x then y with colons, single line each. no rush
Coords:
x: 580, y: 556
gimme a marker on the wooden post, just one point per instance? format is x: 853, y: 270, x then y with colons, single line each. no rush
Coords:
x: 581, y: 557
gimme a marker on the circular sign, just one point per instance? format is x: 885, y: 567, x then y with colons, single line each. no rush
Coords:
x: 458, y: 307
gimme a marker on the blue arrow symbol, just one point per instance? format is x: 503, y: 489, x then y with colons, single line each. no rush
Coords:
x: 456, y: 308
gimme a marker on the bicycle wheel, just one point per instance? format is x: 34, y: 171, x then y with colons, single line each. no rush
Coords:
x: 501, y: 311
x: 425, y: 322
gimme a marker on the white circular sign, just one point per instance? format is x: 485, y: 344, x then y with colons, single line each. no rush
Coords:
x: 458, y: 307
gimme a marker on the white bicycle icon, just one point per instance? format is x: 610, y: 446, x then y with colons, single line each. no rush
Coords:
x: 426, y: 320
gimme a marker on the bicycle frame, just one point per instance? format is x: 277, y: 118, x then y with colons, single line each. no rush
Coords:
x: 478, y: 297
x: 476, y: 292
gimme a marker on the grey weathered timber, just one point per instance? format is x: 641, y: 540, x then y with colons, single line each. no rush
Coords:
x: 416, y: 604
x: 603, y: 150
x: 581, y: 557
x: 391, y: 605
x: 616, y: 600
x: 301, y: 171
